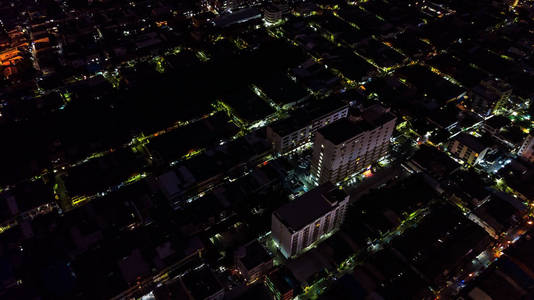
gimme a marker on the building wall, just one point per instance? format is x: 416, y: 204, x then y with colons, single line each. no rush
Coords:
x: 335, y: 162
x: 280, y: 233
x: 301, y: 136
x: 464, y: 153
x: 256, y: 272
x: 272, y: 16
x: 527, y: 149
x: 295, y: 139
x: 275, y: 139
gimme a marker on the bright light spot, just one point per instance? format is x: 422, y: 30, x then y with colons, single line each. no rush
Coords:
x: 368, y: 173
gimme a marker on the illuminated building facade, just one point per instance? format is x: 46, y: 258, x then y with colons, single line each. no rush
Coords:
x: 350, y: 145
x: 272, y: 14
x: 289, y: 134
x: 301, y: 223
x: 468, y: 148
x: 527, y: 149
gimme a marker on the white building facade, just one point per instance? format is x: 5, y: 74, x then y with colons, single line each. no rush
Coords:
x: 308, y: 219
x: 527, y: 149
x: 287, y: 135
x: 348, y: 146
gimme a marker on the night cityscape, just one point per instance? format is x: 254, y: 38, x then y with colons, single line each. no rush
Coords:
x: 266, y: 149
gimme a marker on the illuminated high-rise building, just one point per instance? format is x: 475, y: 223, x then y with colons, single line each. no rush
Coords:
x: 350, y: 145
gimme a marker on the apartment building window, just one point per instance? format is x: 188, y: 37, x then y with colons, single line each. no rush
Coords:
x: 305, y: 237
x: 294, y: 244
x: 339, y: 215
x: 327, y: 223
x: 316, y: 230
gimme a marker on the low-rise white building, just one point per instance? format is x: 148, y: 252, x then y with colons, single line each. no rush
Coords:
x: 468, y: 148
x: 304, y: 221
x: 288, y: 134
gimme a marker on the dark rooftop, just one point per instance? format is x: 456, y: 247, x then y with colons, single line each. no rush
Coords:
x: 254, y: 255
x: 343, y: 130
x: 202, y: 283
x: 471, y: 142
x: 366, y: 119
x: 470, y: 184
x: 435, y: 162
x: 519, y: 175
x: 377, y: 115
x: 283, y: 280
x: 498, y: 122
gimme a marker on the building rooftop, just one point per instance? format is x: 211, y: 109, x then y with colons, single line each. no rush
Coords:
x: 271, y: 8
x: 519, y: 175
x: 283, y: 280
x: 304, y: 116
x: 343, y: 130
x: 202, y: 283
x: 434, y: 162
x: 169, y: 184
x: 174, y: 290
x: 377, y: 115
x: 498, y: 214
x: 366, y: 119
x: 471, y: 142
x: 240, y: 16
x: 254, y: 255
x: 310, y: 206
x: 498, y: 122
x: 256, y: 291
x: 469, y: 184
